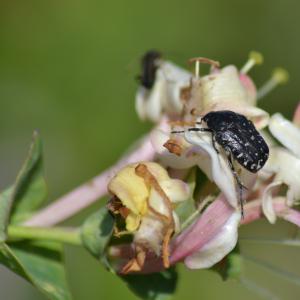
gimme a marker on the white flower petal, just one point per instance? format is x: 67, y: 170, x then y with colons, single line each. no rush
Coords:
x: 287, y: 169
x: 285, y: 132
x: 267, y: 201
x: 175, y: 189
x: 149, y: 103
x: 217, y: 248
x: 177, y: 78
x: 216, y: 166
x: 164, y: 97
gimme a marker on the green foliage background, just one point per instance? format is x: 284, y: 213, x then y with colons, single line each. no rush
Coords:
x: 67, y: 68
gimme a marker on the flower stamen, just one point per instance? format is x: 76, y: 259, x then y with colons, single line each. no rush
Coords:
x: 198, y: 60
x: 279, y: 76
x: 255, y: 58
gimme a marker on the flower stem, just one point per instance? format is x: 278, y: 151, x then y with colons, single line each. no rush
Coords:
x: 91, y: 191
x: 57, y: 234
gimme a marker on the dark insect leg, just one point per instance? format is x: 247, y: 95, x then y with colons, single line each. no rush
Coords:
x: 213, y: 141
x: 240, y: 185
x: 193, y: 129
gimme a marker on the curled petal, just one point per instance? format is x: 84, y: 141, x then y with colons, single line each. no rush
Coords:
x: 286, y: 166
x: 215, y: 166
x: 175, y: 189
x: 267, y: 201
x: 285, y: 132
x: 218, y: 247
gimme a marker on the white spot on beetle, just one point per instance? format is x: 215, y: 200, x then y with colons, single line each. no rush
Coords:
x: 247, y: 144
x: 252, y: 138
x: 253, y: 166
x: 240, y: 155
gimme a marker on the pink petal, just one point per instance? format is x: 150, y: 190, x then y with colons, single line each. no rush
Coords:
x: 202, y: 231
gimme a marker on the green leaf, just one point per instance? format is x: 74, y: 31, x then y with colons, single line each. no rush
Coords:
x: 40, y: 264
x: 156, y: 286
x: 5, y: 207
x: 186, y: 208
x: 96, y: 233
x: 231, y: 266
x: 30, y: 189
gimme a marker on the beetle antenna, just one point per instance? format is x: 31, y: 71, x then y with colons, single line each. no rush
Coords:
x: 178, y: 131
x: 255, y: 58
x: 279, y: 76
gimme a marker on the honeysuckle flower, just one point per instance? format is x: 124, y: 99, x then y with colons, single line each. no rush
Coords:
x: 149, y: 195
x: 165, y: 97
x: 214, y: 233
x: 197, y: 149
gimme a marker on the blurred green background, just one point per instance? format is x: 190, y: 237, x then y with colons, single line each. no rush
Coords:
x: 67, y: 68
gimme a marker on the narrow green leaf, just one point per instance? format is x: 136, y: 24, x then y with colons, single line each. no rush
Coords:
x: 39, y: 263
x: 156, y: 286
x: 96, y: 233
x: 30, y: 188
x: 5, y: 206
x: 8, y: 259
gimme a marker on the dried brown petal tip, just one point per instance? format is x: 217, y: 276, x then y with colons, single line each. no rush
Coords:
x: 173, y: 147
x: 186, y: 93
x: 135, y: 264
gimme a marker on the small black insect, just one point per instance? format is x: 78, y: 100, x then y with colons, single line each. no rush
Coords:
x: 149, y: 65
x: 240, y: 140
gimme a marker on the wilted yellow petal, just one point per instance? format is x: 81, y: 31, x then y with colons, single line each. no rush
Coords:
x: 132, y: 222
x: 130, y: 189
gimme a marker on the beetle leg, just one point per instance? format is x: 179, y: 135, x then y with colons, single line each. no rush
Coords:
x: 240, y: 185
x: 213, y: 141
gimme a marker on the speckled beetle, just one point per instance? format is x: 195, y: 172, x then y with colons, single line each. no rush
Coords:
x: 149, y: 67
x: 240, y: 140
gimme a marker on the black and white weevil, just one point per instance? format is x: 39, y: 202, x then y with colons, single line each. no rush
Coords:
x: 149, y: 64
x: 239, y: 139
